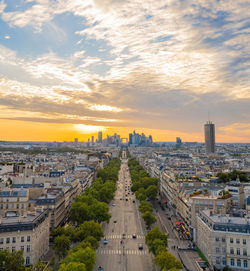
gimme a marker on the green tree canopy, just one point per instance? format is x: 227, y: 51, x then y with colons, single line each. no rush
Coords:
x: 10, y: 261
x: 155, y: 233
x: 151, y: 192
x: 148, y: 218
x: 73, y: 266
x: 82, y: 255
x: 145, y: 206
x: 90, y: 228
x: 61, y: 245
x: 166, y: 261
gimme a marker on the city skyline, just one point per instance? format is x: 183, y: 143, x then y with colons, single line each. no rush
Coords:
x: 69, y: 69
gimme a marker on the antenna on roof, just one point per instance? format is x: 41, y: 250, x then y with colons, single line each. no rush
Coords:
x: 208, y: 116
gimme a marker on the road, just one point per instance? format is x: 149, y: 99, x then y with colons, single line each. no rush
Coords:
x: 126, y: 221
x: 188, y: 257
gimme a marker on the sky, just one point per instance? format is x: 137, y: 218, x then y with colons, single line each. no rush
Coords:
x: 71, y: 68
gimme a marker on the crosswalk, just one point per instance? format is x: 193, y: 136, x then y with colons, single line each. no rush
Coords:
x: 121, y: 252
x: 119, y: 236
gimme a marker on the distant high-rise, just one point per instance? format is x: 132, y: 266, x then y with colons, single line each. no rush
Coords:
x: 92, y: 140
x: 209, y: 130
x: 100, y: 137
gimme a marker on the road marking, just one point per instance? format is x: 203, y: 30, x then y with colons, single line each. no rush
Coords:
x: 117, y: 236
x: 119, y: 252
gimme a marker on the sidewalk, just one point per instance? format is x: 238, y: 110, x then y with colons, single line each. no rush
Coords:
x: 187, y: 257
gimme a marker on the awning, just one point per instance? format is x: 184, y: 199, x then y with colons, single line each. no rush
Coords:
x: 164, y: 201
x: 178, y: 222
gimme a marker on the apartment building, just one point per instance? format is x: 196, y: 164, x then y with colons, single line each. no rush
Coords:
x: 14, y: 200
x: 29, y: 233
x: 224, y: 240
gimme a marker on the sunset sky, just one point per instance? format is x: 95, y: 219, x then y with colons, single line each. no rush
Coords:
x: 70, y: 68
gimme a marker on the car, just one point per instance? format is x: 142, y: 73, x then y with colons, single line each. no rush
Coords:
x: 100, y: 269
x: 169, y: 218
x: 123, y: 236
x: 113, y: 204
x: 140, y: 247
x: 105, y: 241
x: 126, y: 199
x: 120, y: 198
x: 115, y: 221
x: 134, y: 236
x: 133, y: 201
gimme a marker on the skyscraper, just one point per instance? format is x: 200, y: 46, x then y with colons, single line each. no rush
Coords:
x: 209, y: 130
x: 100, y: 137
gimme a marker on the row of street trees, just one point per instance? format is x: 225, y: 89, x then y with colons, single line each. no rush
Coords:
x: 75, y: 244
x: 146, y: 189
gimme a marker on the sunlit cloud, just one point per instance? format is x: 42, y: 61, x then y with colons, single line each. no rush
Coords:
x: 103, y: 107
x: 128, y: 63
x: 89, y: 129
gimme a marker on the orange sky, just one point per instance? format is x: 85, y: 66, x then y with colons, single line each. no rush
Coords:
x: 13, y: 130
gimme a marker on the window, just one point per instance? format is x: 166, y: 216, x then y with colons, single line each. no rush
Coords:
x: 224, y: 250
x: 1, y: 206
x: 1, y: 248
x: 1, y: 241
x: 217, y: 260
x: 27, y: 261
x: 245, y: 264
x: 231, y: 240
x: 7, y: 206
x: 223, y: 239
x: 232, y: 262
x: 22, y: 248
x: 13, y: 239
x: 28, y: 248
x: 22, y: 206
x: 244, y: 241
x: 238, y: 251
x: 22, y: 239
x: 238, y: 262
x: 237, y: 241
x: 217, y: 239
x: 244, y: 252
x: 231, y: 250
x: 28, y: 238
x: 13, y: 249
x: 224, y: 262
x: 217, y: 250
x: 17, y: 205
x: 7, y: 240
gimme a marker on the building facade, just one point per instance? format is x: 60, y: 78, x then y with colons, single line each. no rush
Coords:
x: 29, y: 233
x: 209, y: 129
x: 224, y: 240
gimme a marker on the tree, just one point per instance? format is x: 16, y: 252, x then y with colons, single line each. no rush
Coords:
x: 82, y: 255
x: 10, y: 261
x: 156, y: 246
x: 40, y: 266
x: 145, y: 206
x: 79, y: 212
x: 72, y: 266
x: 148, y: 218
x: 99, y: 212
x: 155, y: 233
x: 166, y: 261
x: 90, y: 241
x: 90, y: 228
x: 61, y: 245
x: 151, y: 192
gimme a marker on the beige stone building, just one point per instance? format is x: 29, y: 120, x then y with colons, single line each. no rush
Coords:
x: 29, y: 233
x: 224, y: 240
x: 14, y: 201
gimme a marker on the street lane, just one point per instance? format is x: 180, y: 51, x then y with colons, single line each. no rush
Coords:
x: 125, y: 221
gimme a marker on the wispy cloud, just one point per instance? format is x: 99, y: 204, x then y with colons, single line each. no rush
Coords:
x: 142, y: 64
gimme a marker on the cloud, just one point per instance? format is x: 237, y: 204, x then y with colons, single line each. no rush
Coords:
x: 150, y: 66
x: 7, y: 37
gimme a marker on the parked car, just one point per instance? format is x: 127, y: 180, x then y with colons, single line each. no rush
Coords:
x: 100, y: 269
x: 105, y: 241
x: 140, y: 247
x: 134, y: 236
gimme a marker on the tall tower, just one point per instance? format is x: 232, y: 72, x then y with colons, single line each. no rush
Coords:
x: 209, y: 130
x: 100, y: 137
